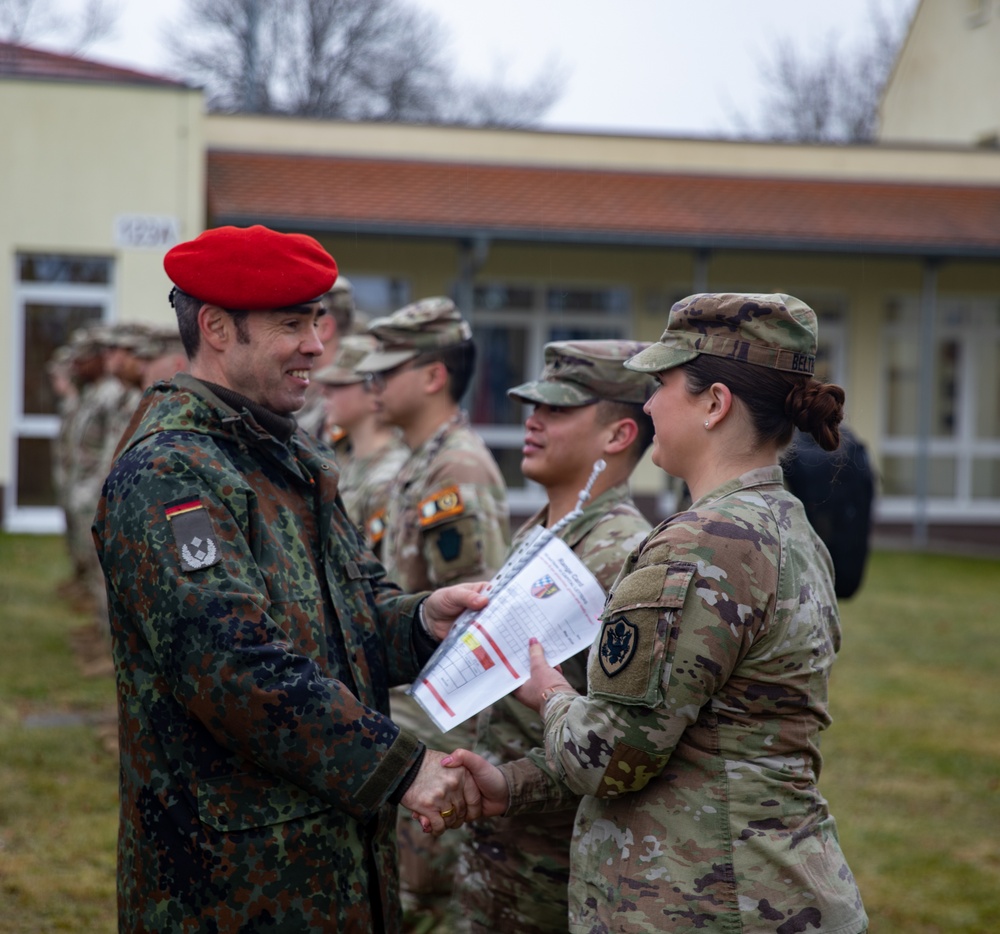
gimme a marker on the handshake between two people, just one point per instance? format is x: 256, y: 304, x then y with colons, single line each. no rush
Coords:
x: 454, y: 788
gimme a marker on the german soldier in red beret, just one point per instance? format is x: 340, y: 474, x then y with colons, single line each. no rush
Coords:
x: 255, y: 637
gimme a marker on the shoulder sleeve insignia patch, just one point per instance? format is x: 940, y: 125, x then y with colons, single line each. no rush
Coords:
x: 619, y: 640
x: 376, y: 526
x: 449, y: 544
x: 444, y: 504
x: 193, y: 534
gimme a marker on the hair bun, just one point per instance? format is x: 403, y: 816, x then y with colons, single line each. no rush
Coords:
x: 817, y: 409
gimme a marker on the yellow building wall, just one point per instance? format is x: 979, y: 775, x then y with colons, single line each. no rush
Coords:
x: 944, y: 86
x: 73, y: 158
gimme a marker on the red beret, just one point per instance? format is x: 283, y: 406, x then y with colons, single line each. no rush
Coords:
x: 251, y: 268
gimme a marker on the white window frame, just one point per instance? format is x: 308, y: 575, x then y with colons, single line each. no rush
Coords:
x: 41, y: 519
x: 978, y: 322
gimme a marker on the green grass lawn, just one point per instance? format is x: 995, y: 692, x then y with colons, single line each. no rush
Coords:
x: 912, y: 766
x: 58, y: 783
x: 913, y: 758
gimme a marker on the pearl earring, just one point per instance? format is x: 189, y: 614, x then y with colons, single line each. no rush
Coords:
x: 706, y: 423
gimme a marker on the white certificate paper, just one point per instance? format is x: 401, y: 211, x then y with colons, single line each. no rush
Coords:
x: 544, y: 591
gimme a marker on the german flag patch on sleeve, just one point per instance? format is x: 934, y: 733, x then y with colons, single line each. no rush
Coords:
x: 193, y: 533
x: 376, y: 526
x: 439, y: 506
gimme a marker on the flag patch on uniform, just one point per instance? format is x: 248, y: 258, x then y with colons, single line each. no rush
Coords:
x: 193, y: 533
x: 376, y: 527
x: 444, y: 504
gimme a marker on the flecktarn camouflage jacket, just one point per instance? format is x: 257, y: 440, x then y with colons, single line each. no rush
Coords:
x: 255, y: 639
x: 696, y: 746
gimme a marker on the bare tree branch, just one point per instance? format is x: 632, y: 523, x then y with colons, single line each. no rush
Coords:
x: 495, y: 103
x: 23, y: 21
x: 343, y: 59
x: 832, y: 96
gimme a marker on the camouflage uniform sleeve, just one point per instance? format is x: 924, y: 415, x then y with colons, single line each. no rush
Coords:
x: 464, y: 525
x: 671, y: 637
x: 224, y: 658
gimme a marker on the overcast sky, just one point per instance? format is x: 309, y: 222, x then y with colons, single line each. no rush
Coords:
x: 670, y: 67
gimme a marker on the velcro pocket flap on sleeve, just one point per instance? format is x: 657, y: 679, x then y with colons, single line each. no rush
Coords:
x: 627, y: 662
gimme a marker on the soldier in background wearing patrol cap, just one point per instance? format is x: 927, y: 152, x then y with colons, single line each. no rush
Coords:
x: 66, y: 383
x: 161, y: 355
x: 334, y: 325
x: 105, y: 405
x: 372, y: 452
x: 255, y: 636
x: 446, y: 520
x: 696, y: 746
x: 513, y: 872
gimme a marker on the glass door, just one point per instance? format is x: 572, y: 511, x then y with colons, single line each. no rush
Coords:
x: 54, y: 295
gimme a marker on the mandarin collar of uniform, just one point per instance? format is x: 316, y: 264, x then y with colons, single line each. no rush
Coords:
x: 594, y: 511
x: 753, y: 479
x: 277, y: 426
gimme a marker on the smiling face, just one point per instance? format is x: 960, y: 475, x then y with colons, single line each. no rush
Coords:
x: 561, y: 444
x: 272, y: 359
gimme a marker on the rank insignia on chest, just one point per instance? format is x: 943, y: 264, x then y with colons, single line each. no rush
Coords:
x: 193, y: 533
x: 619, y: 640
x: 444, y: 504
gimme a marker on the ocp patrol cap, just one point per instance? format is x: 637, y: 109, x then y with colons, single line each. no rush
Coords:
x: 422, y: 327
x: 581, y: 372
x: 771, y: 330
x: 344, y: 369
x: 125, y: 335
x: 159, y: 341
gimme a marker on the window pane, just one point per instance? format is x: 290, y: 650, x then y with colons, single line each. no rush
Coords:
x: 43, y: 267
x: 612, y: 301
x: 509, y: 460
x: 34, y: 472
x: 901, y: 390
x: 570, y: 332
x: 47, y: 327
x: 503, y: 298
x: 944, y: 400
x: 899, y: 476
x: 906, y: 315
x: 825, y: 353
x: 501, y: 355
x: 986, y: 478
x: 987, y: 397
x: 379, y: 295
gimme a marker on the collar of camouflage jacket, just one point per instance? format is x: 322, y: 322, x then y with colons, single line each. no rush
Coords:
x: 189, y: 405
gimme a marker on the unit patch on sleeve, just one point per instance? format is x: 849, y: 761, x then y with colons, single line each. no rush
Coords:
x: 193, y: 533
x: 444, y: 504
x: 619, y: 640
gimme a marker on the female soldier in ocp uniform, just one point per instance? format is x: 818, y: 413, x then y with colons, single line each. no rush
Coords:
x: 696, y: 745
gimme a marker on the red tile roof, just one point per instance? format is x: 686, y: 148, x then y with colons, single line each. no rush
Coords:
x: 20, y: 61
x: 573, y: 205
